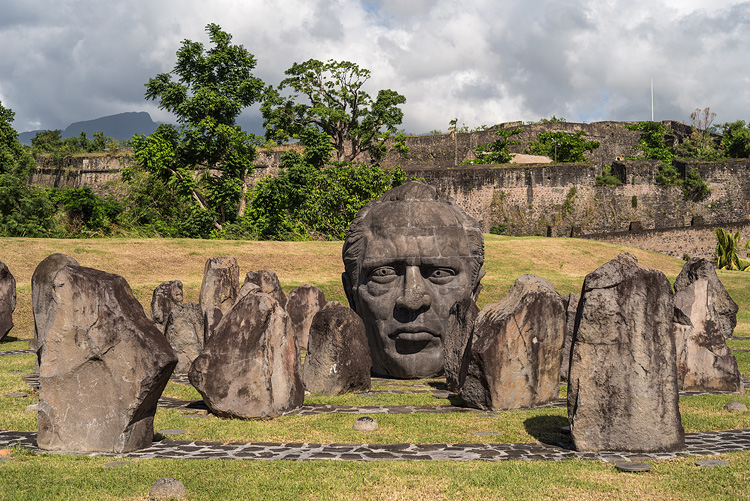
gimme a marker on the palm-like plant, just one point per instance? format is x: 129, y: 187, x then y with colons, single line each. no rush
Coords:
x: 727, y: 251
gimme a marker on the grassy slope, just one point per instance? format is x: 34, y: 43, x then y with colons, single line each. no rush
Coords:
x: 146, y: 263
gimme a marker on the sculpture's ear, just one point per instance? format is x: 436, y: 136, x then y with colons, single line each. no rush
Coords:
x: 349, y: 290
x: 478, y: 287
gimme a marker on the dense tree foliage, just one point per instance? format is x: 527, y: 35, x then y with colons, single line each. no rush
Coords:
x: 497, y: 152
x: 562, y: 146
x: 329, y: 97
x: 25, y: 210
x: 307, y: 200
x: 211, y: 89
x: 736, y: 139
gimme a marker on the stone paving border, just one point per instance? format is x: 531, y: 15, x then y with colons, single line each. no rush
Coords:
x: 696, y: 444
x: 17, y: 352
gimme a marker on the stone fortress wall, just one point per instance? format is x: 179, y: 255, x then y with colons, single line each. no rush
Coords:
x: 537, y: 199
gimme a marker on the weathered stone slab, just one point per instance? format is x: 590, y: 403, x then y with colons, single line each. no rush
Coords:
x: 250, y: 367
x: 622, y: 391
x: 103, y: 366
x: 704, y: 361
x: 268, y: 283
x: 571, y: 305
x: 457, y: 342
x: 184, y: 332
x: 516, y: 348
x: 338, y: 356
x: 302, y: 305
x: 726, y: 308
x: 7, y: 299
x: 166, y: 296
x: 221, y: 283
x: 42, y: 294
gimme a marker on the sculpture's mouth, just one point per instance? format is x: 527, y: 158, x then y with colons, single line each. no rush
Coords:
x: 409, y: 342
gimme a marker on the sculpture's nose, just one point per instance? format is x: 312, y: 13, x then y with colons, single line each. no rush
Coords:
x: 414, y: 297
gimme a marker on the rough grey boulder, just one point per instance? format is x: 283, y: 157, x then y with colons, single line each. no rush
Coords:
x: 571, y: 305
x: 268, y: 283
x: 221, y: 283
x: 7, y: 299
x: 250, y: 366
x: 302, y: 304
x: 166, y: 296
x: 704, y: 361
x: 726, y: 308
x: 338, y: 356
x: 42, y: 293
x: 516, y: 348
x: 622, y: 390
x: 184, y: 332
x: 103, y: 366
x: 457, y: 342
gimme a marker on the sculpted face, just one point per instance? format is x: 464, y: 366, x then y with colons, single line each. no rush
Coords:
x: 415, y: 266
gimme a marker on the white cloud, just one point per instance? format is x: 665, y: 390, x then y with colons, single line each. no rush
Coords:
x: 484, y: 62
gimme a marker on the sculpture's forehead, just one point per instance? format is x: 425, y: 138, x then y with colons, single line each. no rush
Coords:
x: 404, y: 230
x: 418, y: 214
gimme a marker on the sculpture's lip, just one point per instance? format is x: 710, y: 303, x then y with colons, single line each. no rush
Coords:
x: 415, y: 334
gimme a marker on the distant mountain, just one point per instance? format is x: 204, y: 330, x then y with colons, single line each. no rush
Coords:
x: 121, y: 127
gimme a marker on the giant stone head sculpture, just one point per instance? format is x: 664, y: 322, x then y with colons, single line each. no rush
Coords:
x: 410, y: 257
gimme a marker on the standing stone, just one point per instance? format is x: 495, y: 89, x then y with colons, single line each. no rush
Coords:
x: 516, y: 349
x: 622, y: 391
x: 571, y: 305
x: 166, y: 296
x: 302, y: 305
x: 457, y: 342
x: 184, y: 332
x: 268, y: 283
x: 704, y: 361
x: 250, y: 366
x: 726, y: 308
x: 221, y: 283
x: 42, y: 294
x: 102, y: 368
x: 338, y: 356
x: 7, y: 299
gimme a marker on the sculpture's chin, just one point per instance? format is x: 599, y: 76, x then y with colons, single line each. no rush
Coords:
x: 419, y: 364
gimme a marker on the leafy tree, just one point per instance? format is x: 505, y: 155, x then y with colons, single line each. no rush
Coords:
x: 307, y: 200
x: 25, y: 210
x: 329, y: 97
x: 702, y: 142
x: 88, y: 214
x: 497, y: 152
x: 736, y: 139
x: 651, y: 141
x: 727, y: 251
x: 211, y: 89
x: 606, y: 178
x: 562, y: 146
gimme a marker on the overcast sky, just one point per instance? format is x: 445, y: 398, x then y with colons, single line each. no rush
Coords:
x: 481, y: 61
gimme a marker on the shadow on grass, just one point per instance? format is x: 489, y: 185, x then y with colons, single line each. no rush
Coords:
x: 9, y: 339
x: 548, y: 429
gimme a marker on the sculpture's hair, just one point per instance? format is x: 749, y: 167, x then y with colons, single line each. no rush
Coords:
x: 414, y: 191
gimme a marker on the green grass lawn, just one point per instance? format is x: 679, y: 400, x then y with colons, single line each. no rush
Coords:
x: 146, y: 263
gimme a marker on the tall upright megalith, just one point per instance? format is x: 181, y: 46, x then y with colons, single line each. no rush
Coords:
x: 622, y: 390
x: 219, y: 289
x: 7, y: 299
x: 103, y: 366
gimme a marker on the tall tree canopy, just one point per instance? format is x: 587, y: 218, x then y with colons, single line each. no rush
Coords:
x: 25, y: 210
x: 329, y: 97
x: 211, y: 89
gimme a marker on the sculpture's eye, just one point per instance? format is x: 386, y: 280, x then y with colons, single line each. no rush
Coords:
x: 441, y: 275
x: 383, y: 274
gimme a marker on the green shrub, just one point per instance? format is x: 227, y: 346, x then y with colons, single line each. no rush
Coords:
x: 607, y: 178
